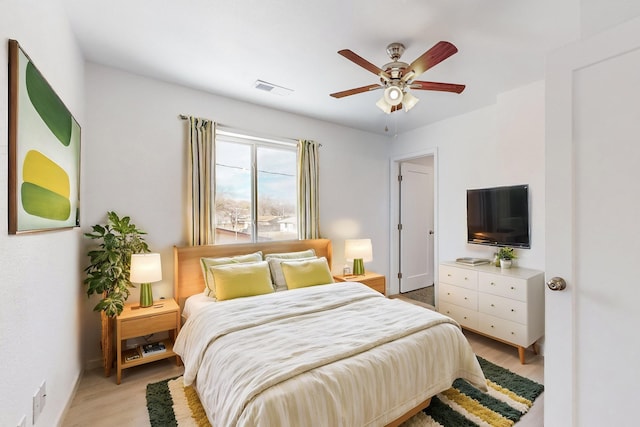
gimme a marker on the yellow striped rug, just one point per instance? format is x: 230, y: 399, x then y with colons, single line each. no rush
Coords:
x: 509, y: 397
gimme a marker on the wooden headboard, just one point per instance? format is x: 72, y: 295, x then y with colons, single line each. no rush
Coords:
x: 188, y: 278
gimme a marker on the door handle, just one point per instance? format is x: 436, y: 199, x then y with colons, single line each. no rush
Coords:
x: 556, y: 284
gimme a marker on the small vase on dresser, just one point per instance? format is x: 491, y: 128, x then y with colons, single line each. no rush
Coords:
x: 505, y: 263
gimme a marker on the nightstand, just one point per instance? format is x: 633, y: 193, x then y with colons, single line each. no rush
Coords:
x: 163, y: 315
x: 373, y: 280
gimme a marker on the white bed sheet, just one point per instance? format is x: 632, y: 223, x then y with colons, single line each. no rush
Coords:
x: 332, y: 355
x: 194, y: 303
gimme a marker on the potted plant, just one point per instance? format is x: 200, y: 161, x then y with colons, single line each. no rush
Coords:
x: 506, y: 255
x: 108, y: 273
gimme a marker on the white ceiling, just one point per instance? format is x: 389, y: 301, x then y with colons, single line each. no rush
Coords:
x: 223, y: 47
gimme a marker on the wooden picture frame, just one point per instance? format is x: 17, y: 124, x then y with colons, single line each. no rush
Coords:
x: 44, y: 152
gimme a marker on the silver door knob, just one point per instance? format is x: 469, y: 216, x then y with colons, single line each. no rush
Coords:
x: 556, y: 284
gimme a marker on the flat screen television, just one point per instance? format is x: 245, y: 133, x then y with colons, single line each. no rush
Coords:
x: 499, y: 216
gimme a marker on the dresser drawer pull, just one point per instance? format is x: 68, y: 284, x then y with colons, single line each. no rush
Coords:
x: 513, y: 310
x: 465, y: 317
x: 466, y: 278
x: 448, y: 274
x: 448, y: 293
x: 493, y: 284
x: 513, y: 288
x: 466, y: 298
x: 492, y: 305
x: 492, y: 326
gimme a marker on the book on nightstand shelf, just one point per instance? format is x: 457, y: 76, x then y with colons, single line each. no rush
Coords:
x: 131, y: 354
x: 153, y: 348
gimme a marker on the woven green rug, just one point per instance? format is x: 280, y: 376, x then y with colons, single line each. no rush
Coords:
x: 510, y: 396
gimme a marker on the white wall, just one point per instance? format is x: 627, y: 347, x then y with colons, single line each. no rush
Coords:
x: 502, y: 144
x: 134, y: 149
x: 40, y: 292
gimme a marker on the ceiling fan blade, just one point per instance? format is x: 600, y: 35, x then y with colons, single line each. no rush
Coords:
x: 438, y: 53
x: 357, y: 59
x: 355, y: 91
x: 442, y: 87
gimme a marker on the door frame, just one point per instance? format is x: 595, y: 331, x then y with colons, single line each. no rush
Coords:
x: 393, y: 287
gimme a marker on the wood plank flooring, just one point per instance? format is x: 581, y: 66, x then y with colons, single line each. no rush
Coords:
x: 100, y: 402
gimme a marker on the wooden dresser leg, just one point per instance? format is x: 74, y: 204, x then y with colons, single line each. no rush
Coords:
x: 521, y: 354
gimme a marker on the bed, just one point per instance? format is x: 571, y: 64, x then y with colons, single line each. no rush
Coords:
x: 334, y: 354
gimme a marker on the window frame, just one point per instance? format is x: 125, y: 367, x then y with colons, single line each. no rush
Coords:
x: 254, y: 142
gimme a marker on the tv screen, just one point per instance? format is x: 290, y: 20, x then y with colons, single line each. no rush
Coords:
x: 499, y: 216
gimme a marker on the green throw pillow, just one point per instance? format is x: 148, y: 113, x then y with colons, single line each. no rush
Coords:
x: 309, y: 272
x: 241, y: 280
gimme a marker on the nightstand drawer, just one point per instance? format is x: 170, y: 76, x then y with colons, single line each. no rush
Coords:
x: 376, y: 284
x: 148, y: 325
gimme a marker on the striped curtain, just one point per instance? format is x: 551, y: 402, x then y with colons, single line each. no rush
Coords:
x: 200, y: 185
x: 308, y: 197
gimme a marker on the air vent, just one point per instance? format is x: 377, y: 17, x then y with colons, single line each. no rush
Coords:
x: 270, y: 87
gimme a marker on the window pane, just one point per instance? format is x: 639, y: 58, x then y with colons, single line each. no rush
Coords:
x: 233, y: 193
x: 277, y: 218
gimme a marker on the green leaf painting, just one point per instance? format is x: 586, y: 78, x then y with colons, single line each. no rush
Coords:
x: 48, y: 105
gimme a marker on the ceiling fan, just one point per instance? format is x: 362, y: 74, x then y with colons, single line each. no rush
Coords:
x: 396, y: 77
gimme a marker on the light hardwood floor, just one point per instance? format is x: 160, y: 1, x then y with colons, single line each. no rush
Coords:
x: 100, y: 402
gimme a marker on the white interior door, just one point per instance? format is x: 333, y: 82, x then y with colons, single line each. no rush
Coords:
x: 592, y: 241
x: 416, y: 217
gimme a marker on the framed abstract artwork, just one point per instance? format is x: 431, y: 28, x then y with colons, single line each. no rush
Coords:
x: 44, y: 152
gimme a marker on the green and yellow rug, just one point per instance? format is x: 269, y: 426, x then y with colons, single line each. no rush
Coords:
x: 509, y: 397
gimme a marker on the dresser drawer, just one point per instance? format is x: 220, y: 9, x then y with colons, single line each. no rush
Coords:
x: 459, y: 296
x: 458, y: 276
x: 505, y: 286
x: 504, y: 308
x: 463, y: 316
x: 505, y: 330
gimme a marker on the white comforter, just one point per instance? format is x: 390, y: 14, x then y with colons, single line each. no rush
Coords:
x: 331, y: 355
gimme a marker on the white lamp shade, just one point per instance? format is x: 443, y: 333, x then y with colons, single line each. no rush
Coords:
x: 382, y: 104
x: 393, y: 95
x: 145, y: 268
x: 409, y: 101
x: 358, y: 248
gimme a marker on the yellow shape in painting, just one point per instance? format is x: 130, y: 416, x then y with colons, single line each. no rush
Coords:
x: 39, y: 170
x: 45, y: 188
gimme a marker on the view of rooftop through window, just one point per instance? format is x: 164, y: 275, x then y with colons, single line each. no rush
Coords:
x: 266, y: 199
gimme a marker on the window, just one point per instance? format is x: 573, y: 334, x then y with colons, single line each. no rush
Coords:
x: 255, y: 189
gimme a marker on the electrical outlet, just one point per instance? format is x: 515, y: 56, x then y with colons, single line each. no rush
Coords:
x: 43, y: 395
x: 23, y: 421
x: 36, y: 406
x: 39, y: 399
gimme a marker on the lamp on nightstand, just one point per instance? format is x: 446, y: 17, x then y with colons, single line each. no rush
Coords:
x: 145, y: 269
x: 360, y: 251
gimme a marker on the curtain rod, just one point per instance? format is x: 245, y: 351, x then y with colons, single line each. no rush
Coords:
x: 185, y: 117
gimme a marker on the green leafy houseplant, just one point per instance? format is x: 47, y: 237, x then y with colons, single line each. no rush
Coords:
x: 108, y: 273
x: 507, y: 254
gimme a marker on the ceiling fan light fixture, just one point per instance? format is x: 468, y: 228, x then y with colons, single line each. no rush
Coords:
x: 393, y: 95
x: 384, y: 105
x: 409, y: 101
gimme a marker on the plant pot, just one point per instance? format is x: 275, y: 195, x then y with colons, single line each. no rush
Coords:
x: 505, y: 263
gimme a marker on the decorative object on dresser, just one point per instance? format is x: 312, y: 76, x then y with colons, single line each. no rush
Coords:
x: 145, y: 269
x: 507, y: 305
x: 373, y: 280
x: 134, y: 321
x: 108, y: 273
x: 360, y: 251
x: 506, y: 255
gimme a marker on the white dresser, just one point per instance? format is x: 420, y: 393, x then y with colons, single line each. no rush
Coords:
x: 504, y: 304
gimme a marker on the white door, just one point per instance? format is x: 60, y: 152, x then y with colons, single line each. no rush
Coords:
x: 592, y: 238
x: 416, y: 235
